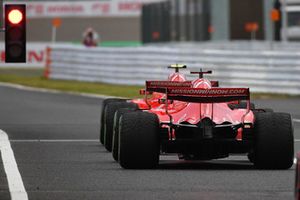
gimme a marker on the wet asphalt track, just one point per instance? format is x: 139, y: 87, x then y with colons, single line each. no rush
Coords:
x: 51, y: 168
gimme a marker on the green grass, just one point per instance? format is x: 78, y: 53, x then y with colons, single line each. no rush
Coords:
x: 34, y: 78
x: 115, y: 43
x: 120, y: 44
x: 27, y: 72
x: 272, y: 96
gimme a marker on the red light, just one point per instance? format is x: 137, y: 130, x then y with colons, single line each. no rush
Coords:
x: 15, y: 16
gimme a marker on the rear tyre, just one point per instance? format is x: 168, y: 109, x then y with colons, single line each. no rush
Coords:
x: 104, y: 103
x: 115, y: 139
x: 268, y: 110
x: 109, y: 115
x: 139, y: 140
x: 273, y: 141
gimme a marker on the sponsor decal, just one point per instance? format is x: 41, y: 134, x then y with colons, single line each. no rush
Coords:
x: 36, y: 56
x: 208, y: 92
x: 131, y: 6
x: 168, y: 84
x: 124, y: 8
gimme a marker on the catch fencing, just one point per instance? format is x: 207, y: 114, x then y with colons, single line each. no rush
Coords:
x: 262, y: 70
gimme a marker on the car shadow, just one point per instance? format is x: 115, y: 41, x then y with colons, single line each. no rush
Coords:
x: 206, y: 165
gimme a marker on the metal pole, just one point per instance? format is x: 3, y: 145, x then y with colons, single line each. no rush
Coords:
x: 196, y: 20
x: 168, y: 20
x: 1, y: 15
x: 53, y: 34
x: 272, y: 38
x: 284, y: 22
x: 187, y: 20
x: 177, y: 20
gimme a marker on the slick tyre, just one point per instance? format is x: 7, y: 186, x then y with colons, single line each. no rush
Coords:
x: 104, y: 103
x: 273, y: 141
x: 268, y: 110
x: 109, y: 115
x: 115, y: 140
x: 139, y: 140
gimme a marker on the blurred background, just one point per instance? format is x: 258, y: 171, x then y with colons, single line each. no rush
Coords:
x: 134, y: 37
x: 164, y: 20
x: 136, y: 22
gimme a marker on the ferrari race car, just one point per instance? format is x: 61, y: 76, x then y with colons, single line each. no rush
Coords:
x: 200, y: 122
x: 111, y: 105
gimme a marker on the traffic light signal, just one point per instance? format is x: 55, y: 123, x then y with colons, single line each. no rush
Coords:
x: 15, y: 33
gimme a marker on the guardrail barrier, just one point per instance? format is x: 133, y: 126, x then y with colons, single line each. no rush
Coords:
x: 261, y: 69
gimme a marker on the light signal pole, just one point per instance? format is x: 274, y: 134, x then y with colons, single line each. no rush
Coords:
x: 284, y: 21
x: 15, y: 33
x: 1, y: 17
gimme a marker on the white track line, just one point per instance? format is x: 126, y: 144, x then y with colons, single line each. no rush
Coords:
x: 296, y: 120
x: 57, y: 140
x: 53, y: 91
x: 14, y: 179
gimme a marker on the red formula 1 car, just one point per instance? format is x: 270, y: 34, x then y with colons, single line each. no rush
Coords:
x: 198, y: 122
x: 111, y: 105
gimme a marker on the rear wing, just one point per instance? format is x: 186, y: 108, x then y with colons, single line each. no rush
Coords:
x: 161, y: 86
x: 213, y: 95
